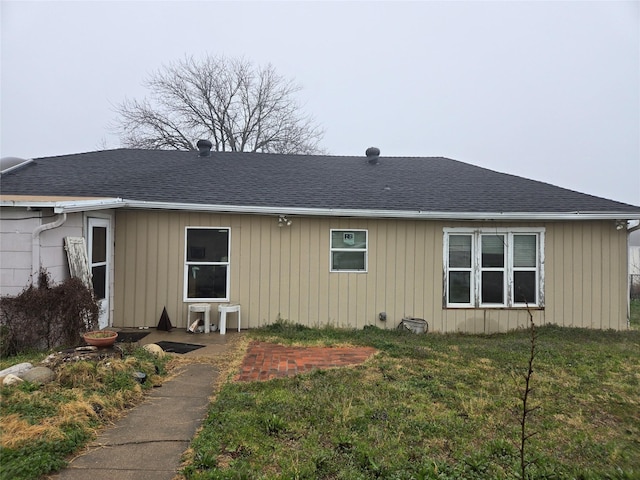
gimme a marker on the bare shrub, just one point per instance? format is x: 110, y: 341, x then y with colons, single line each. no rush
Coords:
x: 46, y: 316
x: 525, y: 399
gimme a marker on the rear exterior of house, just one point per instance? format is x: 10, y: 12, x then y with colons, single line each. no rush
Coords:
x: 578, y: 271
x: 319, y: 240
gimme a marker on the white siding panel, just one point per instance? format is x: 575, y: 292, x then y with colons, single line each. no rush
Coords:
x: 16, y: 244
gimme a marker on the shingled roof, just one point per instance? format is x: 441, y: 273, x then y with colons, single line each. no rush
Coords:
x: 281, y: 181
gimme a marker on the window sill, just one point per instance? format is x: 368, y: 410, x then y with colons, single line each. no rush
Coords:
x: 471, y: 307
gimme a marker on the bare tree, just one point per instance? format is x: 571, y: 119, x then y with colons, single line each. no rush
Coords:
x: 236, y: 105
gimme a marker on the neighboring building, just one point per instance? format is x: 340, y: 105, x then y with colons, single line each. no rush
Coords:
x: 319, y: 240
x: 634, y: 264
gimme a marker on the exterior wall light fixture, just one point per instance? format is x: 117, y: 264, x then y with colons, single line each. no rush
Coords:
x: 283, y: 221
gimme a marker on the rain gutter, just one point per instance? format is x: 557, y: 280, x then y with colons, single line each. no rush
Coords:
x: 88, y: 205
x: 406, y: 214
x: 62, y: 206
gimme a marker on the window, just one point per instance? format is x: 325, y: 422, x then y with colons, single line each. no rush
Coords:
x: 494, y: 267
x: 206, y: 264
x: 348, y: 250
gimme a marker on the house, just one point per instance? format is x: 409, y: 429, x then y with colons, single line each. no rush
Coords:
x: 317, y: 240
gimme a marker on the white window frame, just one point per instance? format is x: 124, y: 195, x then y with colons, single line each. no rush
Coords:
x: 365, y: 250
x: 186, y: 297
x: 509, y: 268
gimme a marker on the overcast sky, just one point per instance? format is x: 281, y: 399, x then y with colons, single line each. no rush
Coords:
x: 542, y: 89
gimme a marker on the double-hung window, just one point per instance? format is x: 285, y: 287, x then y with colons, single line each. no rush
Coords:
x: 348, y: 250
x: 487, y: 268
x: 206, y: 267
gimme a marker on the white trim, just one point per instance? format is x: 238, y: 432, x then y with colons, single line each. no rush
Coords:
x: 23, y: 163
x: 105, y: 303
x: 476, y: 269
x: 185, y: 287
x: 61, y: 206
x: 71, y: 206
x: 365, y: 250
x: 414, y: 214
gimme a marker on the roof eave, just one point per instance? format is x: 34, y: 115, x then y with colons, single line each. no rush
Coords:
x: 364, y: 213
x: 63, y: 206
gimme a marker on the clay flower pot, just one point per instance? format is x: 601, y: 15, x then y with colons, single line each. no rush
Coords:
x: 100, y: 338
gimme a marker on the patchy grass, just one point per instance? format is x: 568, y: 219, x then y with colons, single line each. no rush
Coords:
x: 40, y: 425
x: 635, y: 314
x: 432, y: 406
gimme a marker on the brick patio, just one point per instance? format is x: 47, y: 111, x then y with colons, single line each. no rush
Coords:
x: 264, y: 361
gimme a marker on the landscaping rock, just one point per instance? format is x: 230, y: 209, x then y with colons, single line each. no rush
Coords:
x: 39, y: 375
x: 11, y: 379
x: 154, y: 349
x: 79, y: 354
x: 16, y: 369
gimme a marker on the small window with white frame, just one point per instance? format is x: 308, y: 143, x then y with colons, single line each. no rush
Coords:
x: 348, y: 250
x: 494, y: 268
x: 206, y: 269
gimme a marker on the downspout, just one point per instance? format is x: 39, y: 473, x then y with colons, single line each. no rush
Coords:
x: 35, y: 244
x: 633, y: 229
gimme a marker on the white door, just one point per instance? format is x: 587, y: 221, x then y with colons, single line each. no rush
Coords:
x: 99, y: 262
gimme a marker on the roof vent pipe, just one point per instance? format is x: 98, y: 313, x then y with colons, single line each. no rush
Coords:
x: 373, y: 155
x: 204, y: 148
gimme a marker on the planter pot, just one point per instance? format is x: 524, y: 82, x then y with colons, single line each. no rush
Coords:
x: 100, y: 338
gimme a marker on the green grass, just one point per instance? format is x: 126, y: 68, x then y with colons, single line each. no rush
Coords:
x: 635, y: 314
x: 432, y: 406
x: 41, y: 425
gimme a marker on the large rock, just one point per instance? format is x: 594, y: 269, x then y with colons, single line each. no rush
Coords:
x: 155, y: 349
x: 16, y: 369
x: 39, y: 375
x: 11, y: 379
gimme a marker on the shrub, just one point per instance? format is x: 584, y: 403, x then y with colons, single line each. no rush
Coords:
x: 46, y: 316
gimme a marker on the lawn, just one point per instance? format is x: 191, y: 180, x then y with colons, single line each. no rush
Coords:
x: 426, y: 406
x: 635, y: 314
x: 433, y: 406
x: 41, y: 425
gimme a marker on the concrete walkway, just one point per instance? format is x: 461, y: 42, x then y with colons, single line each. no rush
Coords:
x: 148, y: 443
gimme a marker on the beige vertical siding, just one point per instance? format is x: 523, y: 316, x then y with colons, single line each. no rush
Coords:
x: 284, y: 273
x: 586, y: 275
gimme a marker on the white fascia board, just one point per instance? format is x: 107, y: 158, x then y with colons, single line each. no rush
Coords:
x: 88, y: 205
x: 67, y: 206
x: 408, y: 214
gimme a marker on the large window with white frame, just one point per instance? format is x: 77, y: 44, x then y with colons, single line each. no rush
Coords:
x: 206, y: 269
x: 497, y: 268
x: 348, y: 251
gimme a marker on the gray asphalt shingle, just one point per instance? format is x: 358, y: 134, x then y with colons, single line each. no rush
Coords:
x: 430, y: 184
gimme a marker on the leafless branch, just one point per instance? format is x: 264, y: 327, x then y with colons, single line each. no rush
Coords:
x: 233, y: 103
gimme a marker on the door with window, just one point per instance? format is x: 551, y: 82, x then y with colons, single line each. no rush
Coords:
x: 99, y: 242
